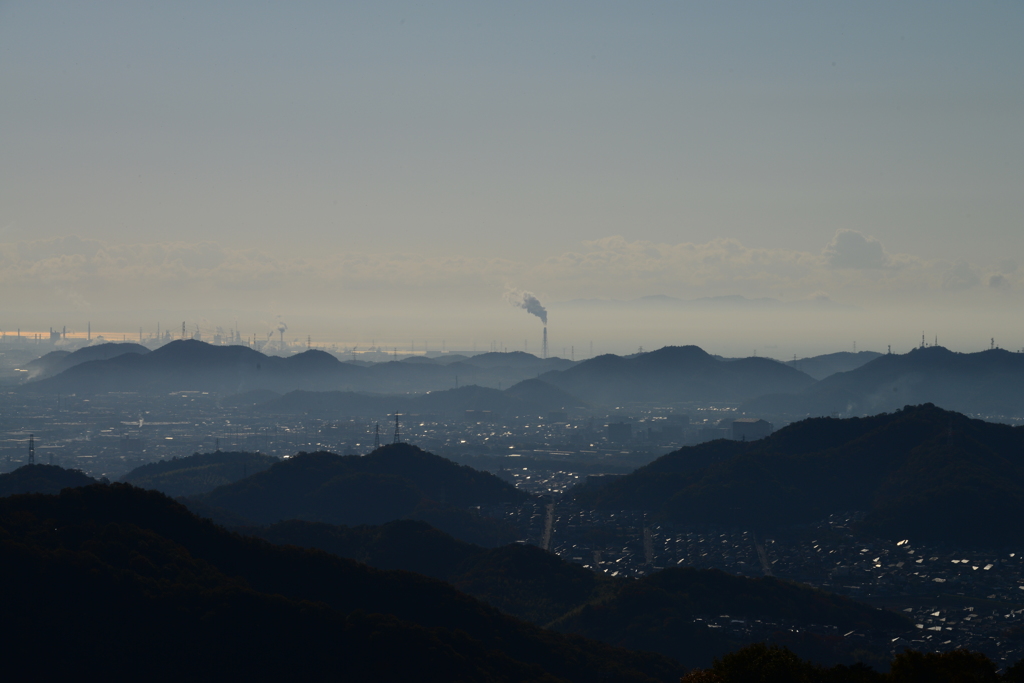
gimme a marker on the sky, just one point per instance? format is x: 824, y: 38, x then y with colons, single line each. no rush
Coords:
x: 385, y: 172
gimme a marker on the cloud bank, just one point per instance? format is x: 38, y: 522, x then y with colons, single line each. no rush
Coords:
x: 72, y: 273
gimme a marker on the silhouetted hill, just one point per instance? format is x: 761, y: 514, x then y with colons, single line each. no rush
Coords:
x: 676, y: 373
x: 820, y: 367
x: 517, y: 359
x: 397, y: 481
x: 653, y: 613
x: 178, y: 598
x: 657, y: 613
x: 543, y: 396
x: 521, y: 580
x: 42, y: 365
x: 41, y: 479
x: 56, y: 362
x: 984, y: 383
x: 406, y: 544
x: 197, y: 473
x: 920, y: 473
x: 189, y: 365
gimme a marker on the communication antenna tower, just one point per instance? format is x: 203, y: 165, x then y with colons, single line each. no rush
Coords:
x: 183, y: 329
x: 398, y: 433
x: 31, y: 449
x: 376, y: 436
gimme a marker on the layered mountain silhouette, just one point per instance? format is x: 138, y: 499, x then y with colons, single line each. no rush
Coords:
x: 190, y: 365
x: 197, y: 473
x: 182, y: 599
x: 653, y: 613
x: 676, y: 373
x: 41, y: 479
x: 921, y: 473
x: 820, y: 367
x: 398, y: 481
x: 58, y: 361
x: 984, y: 383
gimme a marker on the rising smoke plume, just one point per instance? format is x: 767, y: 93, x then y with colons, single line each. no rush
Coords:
x: 527, y: 301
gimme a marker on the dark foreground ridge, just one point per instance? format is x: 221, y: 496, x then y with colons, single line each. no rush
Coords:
x: 41, y: 479
x: 113, y: 566
x: 667, y: 612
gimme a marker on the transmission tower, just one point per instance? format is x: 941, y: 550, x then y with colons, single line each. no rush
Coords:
x: 376, y: 436
x: 31, y: 449
x: 398, y: 433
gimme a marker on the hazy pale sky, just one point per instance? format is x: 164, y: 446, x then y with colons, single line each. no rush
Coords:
x: 353, y: 160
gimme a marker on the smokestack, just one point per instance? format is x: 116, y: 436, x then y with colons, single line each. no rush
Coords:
x: 88, y: 334
x: 544, y: 348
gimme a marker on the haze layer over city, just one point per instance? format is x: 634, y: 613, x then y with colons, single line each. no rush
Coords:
x: 670, y: 342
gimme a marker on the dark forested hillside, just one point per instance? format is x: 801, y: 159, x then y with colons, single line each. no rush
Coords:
x: 115, y: 566
x: 522, y: 580
x: 656, y: 613
x: 665, y: 612
x: 397, y: 481
x: 197, y: 473
x: 41, y: 479
x: 920, y: 473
